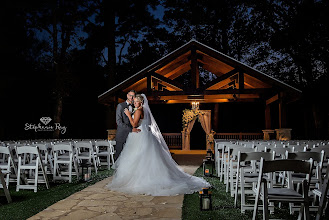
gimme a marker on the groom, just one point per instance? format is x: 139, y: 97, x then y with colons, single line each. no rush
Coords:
x: 123, y: 124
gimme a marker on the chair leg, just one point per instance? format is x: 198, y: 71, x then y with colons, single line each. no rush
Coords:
x: 76, y: 168
x: 243, y: 196
x: 301, y: 212
x: 112, y: 157
x: 70, y: 172
x: 108, y: 159
x: 323, y: 199
x: 256, y: 203
x: 18, y: 175
x: 306, y: 211
x: 265, y: 201
x: 5, y: 188
x: 237, y: 189
x: 95, y: 165
x: 55, y: 170
x: 36, y: 175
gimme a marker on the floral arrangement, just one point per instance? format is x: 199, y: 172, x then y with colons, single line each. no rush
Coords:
x: 210, y: 137
x: 189, y: 115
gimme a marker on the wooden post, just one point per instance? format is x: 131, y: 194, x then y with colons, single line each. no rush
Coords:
x: 149, y: 84
x: 241, y: 80
x: 216, y: 119
x: 282, y: 111
x: 194, y: 69
x: 268, y: 117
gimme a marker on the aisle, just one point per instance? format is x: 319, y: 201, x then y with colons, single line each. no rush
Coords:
x: 96, y: 202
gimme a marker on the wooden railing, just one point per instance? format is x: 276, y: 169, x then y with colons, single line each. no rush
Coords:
x: 173, y: 140
x: 239, y: 136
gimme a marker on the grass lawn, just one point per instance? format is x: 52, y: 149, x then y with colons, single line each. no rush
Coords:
x: 223, y: 205
x: 26, y: 203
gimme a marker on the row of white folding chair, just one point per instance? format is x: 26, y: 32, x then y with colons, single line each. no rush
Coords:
x: 93, y: 154
x: 223, y: 157
x: 243, y: 182
x: 247, y: 176
x: 280, y: 152
x: 230, y: 165
x: 10, y: 159
x: 220, y: 155
x: 268, y: 194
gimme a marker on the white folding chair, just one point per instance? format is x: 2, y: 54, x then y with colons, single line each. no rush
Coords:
x: 105, y: 149
x: 84, y: 151
x: 43, y: 149
x: 267, y: 193
x: 7, y: 165
x: 29, y: 158
x: 64, y: 158
x: 316, y: 180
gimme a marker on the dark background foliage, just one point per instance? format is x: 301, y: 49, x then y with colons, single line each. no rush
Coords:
x: 57, y: 56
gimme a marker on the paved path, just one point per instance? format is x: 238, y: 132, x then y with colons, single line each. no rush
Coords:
x: 97, y: 202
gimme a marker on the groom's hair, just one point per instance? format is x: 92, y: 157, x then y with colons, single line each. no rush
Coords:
x: 133, y: 91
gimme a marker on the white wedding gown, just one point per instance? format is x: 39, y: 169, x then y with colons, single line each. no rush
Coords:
x: 145, y: 166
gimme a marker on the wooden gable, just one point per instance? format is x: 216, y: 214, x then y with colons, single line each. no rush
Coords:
x: 234, y: 81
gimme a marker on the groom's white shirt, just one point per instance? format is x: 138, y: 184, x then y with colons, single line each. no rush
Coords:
x: 130, y: 108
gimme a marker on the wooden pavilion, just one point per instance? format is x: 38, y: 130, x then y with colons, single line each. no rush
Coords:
x: 233, y: 81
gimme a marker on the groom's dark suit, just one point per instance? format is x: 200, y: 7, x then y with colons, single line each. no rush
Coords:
x: 123, y: 128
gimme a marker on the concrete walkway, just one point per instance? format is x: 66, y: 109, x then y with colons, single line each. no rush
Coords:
x: 97, y: 202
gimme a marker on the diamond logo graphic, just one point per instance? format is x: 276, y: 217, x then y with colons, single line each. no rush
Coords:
x: 45, y: 120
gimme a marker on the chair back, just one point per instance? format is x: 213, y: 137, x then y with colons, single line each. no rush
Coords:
x: 4, y: 150
x: 102, y: 143
x: 250, y: 156
x: 83, y: 144
x: 298, y: 148
x: 62, y: 147
x: 27, y: 150
x: 316, y: 156
x: 297, y: 166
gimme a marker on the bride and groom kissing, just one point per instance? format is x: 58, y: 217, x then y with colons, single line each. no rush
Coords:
x: 143, y: 161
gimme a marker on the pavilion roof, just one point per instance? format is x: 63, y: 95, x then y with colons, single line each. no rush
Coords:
x: 234, y: 81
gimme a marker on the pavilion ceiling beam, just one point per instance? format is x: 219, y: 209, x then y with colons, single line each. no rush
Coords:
x: 179, y: 71
x: 167, y: 80
x: 272, y: 99
x: 221, y: 78
x: 211, y: 92
x: 252, y: 81
x: 205, y: 101
x: 172, y: 66
x: 206, y: 97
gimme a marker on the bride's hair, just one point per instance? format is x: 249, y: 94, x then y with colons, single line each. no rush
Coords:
x: 140, y: 98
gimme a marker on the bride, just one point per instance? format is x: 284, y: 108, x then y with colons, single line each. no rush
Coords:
x: 145, y: 165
